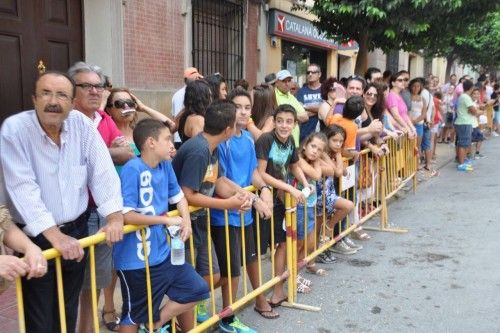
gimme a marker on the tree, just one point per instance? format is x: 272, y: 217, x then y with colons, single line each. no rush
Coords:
x: 480, y: 45
x: 393, y: 24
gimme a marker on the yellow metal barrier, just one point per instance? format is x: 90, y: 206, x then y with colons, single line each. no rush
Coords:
x: 388, y: 175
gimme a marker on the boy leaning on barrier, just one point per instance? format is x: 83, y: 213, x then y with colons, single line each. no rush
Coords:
x: 277, y: 159
x: 148, y: 186
x: 237, y: 159
x: 196, y: 165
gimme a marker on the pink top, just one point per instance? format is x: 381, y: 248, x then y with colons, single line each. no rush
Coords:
x: 107, y: 128
x: 395, y: 100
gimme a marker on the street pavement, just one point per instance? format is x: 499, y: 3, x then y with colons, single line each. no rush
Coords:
x: 441, y: 276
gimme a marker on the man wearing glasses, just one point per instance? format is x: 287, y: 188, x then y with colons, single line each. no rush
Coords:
x: 89, y: 82
x: 52, y: 157
x: 310, y: 97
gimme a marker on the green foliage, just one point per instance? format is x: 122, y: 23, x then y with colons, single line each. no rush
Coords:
x: 411, y: 25
x: 479, y: 45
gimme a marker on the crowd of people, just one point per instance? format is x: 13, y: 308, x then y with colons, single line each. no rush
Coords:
x: 82, y: 162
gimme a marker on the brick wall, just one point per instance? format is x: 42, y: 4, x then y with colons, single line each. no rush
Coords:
x: 153, y: 44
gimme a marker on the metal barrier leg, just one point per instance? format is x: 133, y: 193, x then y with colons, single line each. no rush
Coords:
x: 292, y: 260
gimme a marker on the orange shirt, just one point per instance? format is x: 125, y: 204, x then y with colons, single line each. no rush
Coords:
x: 348, y: 125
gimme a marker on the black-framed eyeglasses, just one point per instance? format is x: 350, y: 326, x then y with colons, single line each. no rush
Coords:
x: 121, y: 103
x: 89, y: 86
x: 312, y: 72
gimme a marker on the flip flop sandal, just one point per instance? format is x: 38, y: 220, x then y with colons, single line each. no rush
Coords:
x: 304, y: 281
x: 268, y: 314
x: 275, y: 305
x: 315, y: 270
x: 359, y: 234
x: 303, y: 289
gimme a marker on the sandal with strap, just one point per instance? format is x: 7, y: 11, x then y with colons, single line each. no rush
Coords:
x: 304, y: 281
x: 313, y: 269
x: 112, y: 325
x: 359, y: 234
x: 303, y: 289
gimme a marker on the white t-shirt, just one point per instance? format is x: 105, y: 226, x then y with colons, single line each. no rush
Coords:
x: 427, y: 96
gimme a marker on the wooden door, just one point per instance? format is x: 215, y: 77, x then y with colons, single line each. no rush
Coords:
x: 32, y: 31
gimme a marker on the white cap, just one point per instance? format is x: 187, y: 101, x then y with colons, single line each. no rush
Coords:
x: 283, y: 74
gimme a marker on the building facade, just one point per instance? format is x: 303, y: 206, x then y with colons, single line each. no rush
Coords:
x: 146, y: 44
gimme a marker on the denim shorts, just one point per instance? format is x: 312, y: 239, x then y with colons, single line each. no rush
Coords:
x: 496, y: 117
x: 426, y: 138
x: 419, y: 128
x: 464, y: 135
x: 301, y: 221
x: 477, y: 135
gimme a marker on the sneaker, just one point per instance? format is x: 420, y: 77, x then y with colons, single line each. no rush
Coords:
x: 479, y: 155
x: 465, y: 167
x: 352, y: 245
x: 342, y: 248
x: 201, y: 312
x: 494, y: 133
x: 325, y: 258
x: 235, y: 327
x: 469, y: 162
x: 164, y: 329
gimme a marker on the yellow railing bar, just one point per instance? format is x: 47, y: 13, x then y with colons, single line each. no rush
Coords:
x: 60, y: 295
x: 93, y: 288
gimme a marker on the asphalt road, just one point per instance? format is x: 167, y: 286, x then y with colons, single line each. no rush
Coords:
x: 441, y: 276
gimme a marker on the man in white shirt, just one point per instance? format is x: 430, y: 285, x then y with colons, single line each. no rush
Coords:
x: 52, y: 157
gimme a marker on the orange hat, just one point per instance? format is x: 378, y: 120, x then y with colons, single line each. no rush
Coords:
x: 192, y: 73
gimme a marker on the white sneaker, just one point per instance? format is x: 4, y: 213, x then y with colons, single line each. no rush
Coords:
x: 342, y: 248
x: 352, y: 245
x: 494, y: 133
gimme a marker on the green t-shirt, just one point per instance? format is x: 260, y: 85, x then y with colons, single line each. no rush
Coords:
x: 290, y: 99
x: 464, y: 117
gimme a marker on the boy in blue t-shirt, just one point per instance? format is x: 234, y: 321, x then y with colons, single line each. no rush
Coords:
x: 148, y: 186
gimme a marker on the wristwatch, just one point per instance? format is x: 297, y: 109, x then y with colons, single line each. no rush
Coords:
x: 266, y: 186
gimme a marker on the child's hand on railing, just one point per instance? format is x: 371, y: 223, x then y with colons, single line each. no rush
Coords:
x: 174, y: 220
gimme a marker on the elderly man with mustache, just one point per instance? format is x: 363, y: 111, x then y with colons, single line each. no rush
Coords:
x: 51, y: 158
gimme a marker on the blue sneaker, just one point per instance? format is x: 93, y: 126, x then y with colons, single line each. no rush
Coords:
x: 469, y: 161
x: 202, y: 312
x: 235, y: 327
x: 465, y: 167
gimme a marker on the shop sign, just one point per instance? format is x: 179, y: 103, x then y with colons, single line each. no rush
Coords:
x: 298, y: 29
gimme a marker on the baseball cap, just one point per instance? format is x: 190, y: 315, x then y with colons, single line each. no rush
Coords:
x: 192, y: 73
x: 283, y: 74
x: 270, y: 78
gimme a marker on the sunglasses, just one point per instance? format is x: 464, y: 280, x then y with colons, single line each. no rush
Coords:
x: 332, y: 88
x: 121, y: 103
x: 312, y: 72
x: 370, y: 94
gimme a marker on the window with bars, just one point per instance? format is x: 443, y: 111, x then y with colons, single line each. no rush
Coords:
x: 218, y: 38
